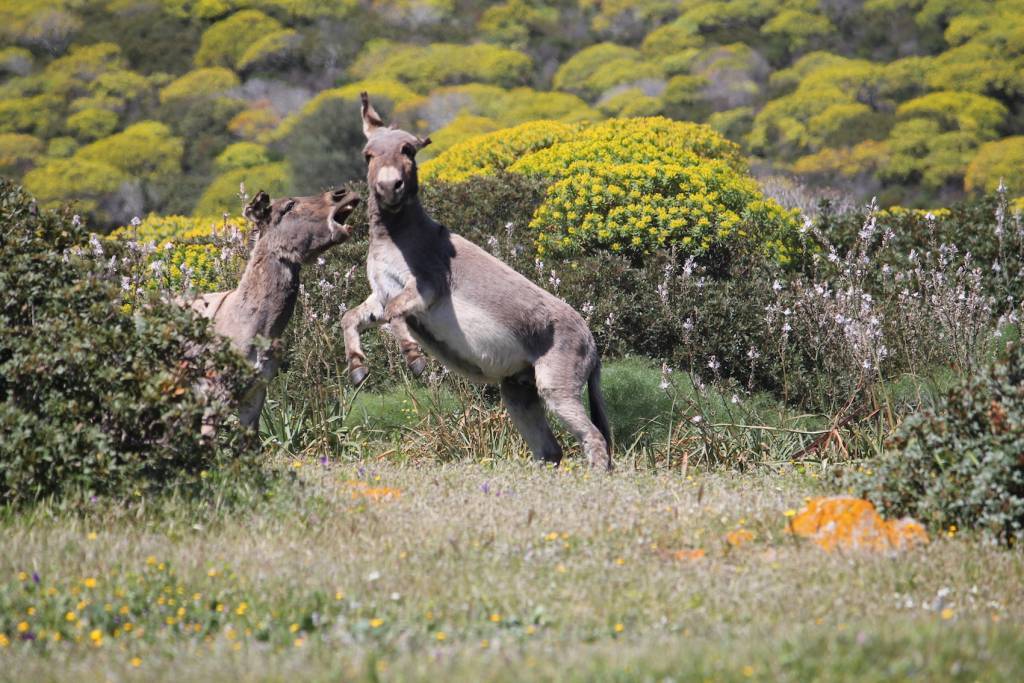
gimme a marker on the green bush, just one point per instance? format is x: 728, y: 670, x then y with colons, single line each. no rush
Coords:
x: 96, y: 399
x: 324, y: 145
x: 960, y: 464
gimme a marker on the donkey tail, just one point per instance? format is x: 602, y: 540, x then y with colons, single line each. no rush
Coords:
x: 598, y: 414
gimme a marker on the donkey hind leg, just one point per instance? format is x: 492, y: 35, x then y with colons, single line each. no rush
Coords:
x: 368, y: 314
x: 414, y: 358
x: 562, y: 391
x: 527, y: 413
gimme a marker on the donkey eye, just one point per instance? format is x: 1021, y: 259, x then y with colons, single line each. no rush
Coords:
x: 368, y: 157
x: 408, y: 150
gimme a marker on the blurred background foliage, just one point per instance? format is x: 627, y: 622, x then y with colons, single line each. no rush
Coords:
x: 139, y: 106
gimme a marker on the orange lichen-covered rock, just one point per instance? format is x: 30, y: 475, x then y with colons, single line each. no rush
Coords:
x: 360, y: 489
x: 738, y: 537
x: 689, y: 555
x: 851, y: 523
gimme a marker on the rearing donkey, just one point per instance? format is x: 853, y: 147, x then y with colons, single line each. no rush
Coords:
x: 477, y: 315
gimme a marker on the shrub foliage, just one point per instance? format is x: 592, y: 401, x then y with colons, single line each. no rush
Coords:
x: 96, y: 398
x: 962, y: 463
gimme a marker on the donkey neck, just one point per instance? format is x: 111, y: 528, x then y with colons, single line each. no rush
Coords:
x: 393, y: 225
x: 267, y: 292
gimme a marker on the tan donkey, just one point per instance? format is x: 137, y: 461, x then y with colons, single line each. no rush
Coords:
x: 289, y: 232
x: 470, y: 310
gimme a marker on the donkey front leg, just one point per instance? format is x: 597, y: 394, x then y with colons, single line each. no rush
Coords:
x: 414, y: 358
x: 410, y: 301
x: 368, y: 314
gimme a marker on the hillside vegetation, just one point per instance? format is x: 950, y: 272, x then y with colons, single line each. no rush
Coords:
x: 168, y: 106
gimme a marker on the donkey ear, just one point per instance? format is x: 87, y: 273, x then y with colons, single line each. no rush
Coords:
x: 372, y: 121
x: 423, y: 142
x: 258, y: 210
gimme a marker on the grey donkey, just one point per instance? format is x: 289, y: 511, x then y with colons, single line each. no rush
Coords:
x: 289, y: 232
x: 470, y: 310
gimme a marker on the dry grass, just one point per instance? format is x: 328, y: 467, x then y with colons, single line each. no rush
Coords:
x: 503, y: 572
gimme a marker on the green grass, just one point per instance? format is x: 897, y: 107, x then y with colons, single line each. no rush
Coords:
x: 529, y: 574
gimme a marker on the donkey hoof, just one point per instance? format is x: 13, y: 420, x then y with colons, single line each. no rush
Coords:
x: 417, y: 366
x: 358, y: 375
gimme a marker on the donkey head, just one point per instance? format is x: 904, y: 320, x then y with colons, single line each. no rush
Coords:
x: 298, y: 229
x: 391, y: 160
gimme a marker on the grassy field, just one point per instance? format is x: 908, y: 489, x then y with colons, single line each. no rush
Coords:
x: 495, y: 571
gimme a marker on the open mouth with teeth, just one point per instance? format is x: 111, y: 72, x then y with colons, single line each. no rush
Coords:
x: 341, y: 212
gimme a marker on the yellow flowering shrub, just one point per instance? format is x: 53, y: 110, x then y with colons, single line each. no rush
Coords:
x: 627, y: 185
x: 163, y: 229
x: 188, y: 250
x: 638, y: 208
x: 222, y: 195
x: 507, y: 107
x: 495, y: 151
x: 847, y: 523
x: 460, y: 128
x: 999, y: 161
x: 199, y: 84
x: 379, y: 88
x: 596, y: 68
x: 91, y: 124
x: 199, y: 260
x: 18, y: 152
x: 241, y: 155
x: 654, y: 140
x: 423, y: 67
x: 254, y: 123
x: 226, y: 42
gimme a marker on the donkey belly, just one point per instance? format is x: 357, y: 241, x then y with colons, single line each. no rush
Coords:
x: 470, y: 341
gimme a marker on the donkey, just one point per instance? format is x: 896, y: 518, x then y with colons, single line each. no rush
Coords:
x: 470, y: 310
x: 289, y: 232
